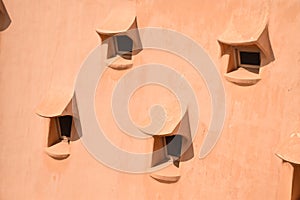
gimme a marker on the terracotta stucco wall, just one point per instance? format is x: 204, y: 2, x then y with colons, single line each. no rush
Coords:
x: 47, y: 42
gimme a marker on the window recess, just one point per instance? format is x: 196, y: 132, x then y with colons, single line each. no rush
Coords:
x: 248, y: 45
x: 56, y: 108
x: 288, y: 151
x: 170, y: 149
x: 119, y: 33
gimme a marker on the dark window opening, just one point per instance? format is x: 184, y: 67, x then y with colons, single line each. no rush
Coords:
x: 249, y: 58
x: 174, y: 145
x: 123, y: 45
x: 65, y: 125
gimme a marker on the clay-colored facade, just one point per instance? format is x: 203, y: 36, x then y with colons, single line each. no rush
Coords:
x: 42, y: 51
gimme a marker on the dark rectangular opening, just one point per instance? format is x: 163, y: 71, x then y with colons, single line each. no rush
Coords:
x: 174, y: 145
x: 124, y: 44
x: 250, y: 58
x: 65, y: 124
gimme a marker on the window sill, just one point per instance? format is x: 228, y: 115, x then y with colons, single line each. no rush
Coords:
x: 59, y: 151
x: 119, y: 63
x: 168, y: 174
x: 242, y: 77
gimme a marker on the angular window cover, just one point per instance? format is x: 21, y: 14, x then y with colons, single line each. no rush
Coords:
x: 246, y: 35
x: 56, y: 103
x: 290, y: 149
x: 4, y: 17
x: 121, y: 21
x: 181, y: 135
x: 182, y: 129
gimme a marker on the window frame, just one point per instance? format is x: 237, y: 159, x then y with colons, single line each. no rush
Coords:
x: 237, y: 59
x: 116, y: 47
x: 166, y: 147
x: 57, y: 121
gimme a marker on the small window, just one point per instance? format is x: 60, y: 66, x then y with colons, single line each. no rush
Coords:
x: 123, y: 45
x: 65, y: 124
x: 167, y: 148
x: 174, y: 146
x: 248, y: 59
x: 59, y: 137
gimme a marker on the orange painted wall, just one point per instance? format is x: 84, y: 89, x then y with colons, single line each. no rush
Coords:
x: 44, y: 47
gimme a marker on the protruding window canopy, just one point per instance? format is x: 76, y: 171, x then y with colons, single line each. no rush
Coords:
x: 179, y: 148
x: 56, y: 103
x: 290, y: 149
x: 175, y: 126
x: 121, y: 21
x: 184, y: 130
x: 254, y: 31
x: 4, y: 17
x: 248, y: 45
x: 121, y: 24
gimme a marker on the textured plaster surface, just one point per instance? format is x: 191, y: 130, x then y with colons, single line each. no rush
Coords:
x: 43, y: 49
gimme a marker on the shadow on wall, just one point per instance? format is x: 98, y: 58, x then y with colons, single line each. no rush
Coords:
x: 172, y: 147
x: 248, y: 45
x: 289, y: 152
x: 4, y: 17
x: 296, y: 183
x: 121, y: 36
x: 57, y: 108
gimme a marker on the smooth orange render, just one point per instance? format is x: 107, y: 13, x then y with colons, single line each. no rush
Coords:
x: 219, y: 120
